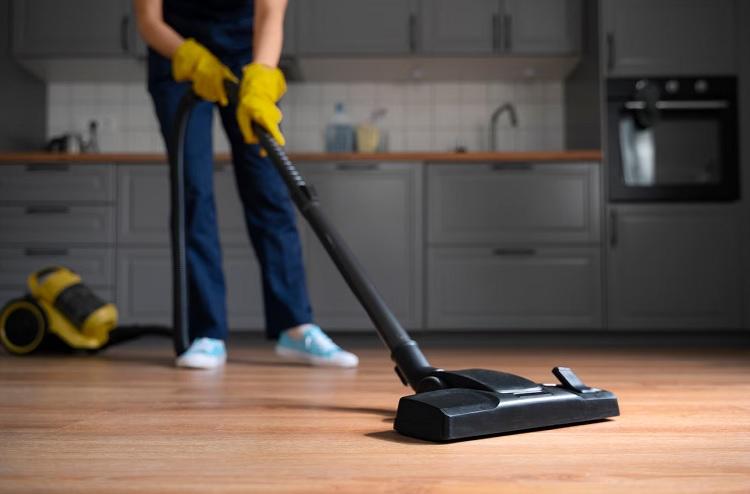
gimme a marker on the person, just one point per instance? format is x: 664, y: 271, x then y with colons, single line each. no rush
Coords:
x: 198, y: 45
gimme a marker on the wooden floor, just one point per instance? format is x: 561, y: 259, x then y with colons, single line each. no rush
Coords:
x: 127, y: 421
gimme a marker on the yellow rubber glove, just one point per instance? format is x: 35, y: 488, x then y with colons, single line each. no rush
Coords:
x: 194, y: 62
x: 261, y: 89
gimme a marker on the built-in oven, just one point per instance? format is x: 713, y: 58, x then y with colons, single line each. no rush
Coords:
x: 672, y: 139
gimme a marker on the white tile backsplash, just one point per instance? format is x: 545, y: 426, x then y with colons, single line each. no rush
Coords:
x: 420, y: 116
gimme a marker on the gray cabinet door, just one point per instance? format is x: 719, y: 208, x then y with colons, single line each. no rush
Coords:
x: 674, y: 267
x: 144, y: 286
x: 513, y: 203
x: 376, y: 208
x: 455, y: 27
x: 56, y: 224
x: 143, y: 205
x: 72, y: 27
x: 351, y: 27
x: 513, y: 288
x: 289, y: 47
x: 669, y: 37
x: 57, y: 182
x: 543, y: 27
x: 95, y: 265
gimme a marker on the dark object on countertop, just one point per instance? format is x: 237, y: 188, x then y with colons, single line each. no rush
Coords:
x: 70, y: 143
x: 73, y: 142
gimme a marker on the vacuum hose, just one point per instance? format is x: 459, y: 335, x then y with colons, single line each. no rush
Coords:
x: 411, y: 364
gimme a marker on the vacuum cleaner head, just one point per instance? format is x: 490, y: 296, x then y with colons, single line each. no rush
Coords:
x: 477, y: 402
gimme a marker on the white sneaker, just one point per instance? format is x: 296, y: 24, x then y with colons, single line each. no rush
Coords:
x: 203, y: 353
x: 316, y: 348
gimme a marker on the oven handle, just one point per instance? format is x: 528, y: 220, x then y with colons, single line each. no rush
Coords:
x: 714, y: 104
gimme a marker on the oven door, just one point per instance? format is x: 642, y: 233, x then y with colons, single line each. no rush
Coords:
x: 673, y: 150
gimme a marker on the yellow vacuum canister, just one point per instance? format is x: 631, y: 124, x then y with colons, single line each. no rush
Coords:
x: 61, y: 304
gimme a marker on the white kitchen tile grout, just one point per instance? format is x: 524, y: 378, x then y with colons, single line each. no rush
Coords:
x: 419, y: 116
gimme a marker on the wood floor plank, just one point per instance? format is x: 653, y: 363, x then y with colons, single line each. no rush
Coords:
x: 127, y: 421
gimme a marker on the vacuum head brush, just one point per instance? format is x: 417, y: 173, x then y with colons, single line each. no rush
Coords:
x: 477, y: 402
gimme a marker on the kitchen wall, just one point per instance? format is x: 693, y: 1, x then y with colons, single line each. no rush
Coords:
x: 420, y: 116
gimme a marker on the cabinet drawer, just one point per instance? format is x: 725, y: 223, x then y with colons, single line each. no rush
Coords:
x: 56, y: 224
x: 96, y: 266
x: 506, y: 203
x: 57, y: 182
x: 144, y: 287
x: 514, y: 288
x: 143, y: 209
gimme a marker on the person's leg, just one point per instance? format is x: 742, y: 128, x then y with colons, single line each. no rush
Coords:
x: 271, y: 224
x: 206, y: 289
x: 272, y: 227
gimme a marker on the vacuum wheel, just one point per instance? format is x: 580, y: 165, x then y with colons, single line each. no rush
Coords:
x: 22, y: 326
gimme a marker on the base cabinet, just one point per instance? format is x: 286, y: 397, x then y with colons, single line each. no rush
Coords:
x: 514, y: 288
x: 674, y: 267
x: 144, y: 287
x: 376, y: 208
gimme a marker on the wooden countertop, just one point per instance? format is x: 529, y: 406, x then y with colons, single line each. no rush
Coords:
x: 419, y: 156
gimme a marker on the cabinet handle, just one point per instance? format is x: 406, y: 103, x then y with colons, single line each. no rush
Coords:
x: 613, y: 228
x: 45, y: 252
x: 124, y: 37
x: 501, y: 167
x: 47, y: 167
x: 610, y: 52
x: 51, y: 209
x: 412, y: 33
x: 508, y: 32
x: 357, y: 167
x: 514, y: 252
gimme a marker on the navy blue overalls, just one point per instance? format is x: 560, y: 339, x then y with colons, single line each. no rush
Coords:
x: 225, y: 27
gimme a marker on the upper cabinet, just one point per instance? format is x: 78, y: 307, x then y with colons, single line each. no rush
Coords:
x: 355, y: 27
x: 514, y: 27
x: 542, y: 27
x: 74, y: 28
x: 452, y: 27
x: 669, y: 37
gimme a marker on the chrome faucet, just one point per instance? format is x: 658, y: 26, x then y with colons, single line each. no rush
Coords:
x: 496, y: 116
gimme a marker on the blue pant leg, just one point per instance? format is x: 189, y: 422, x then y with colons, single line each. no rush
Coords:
x: 271, y: 224
x: 206, y: 288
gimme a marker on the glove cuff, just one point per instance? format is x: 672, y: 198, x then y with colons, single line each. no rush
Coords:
x: 185, y: 59
x: 269, y: 80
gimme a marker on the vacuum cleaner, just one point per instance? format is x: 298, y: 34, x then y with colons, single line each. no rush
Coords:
x: 60, y: 312
x: 446, y: 405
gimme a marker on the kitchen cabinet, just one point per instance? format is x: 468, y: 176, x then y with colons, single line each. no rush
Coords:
x: 674, y: 267
x: 377, y: 210
x: 513, y: 203
x: 143, y: 210
x: 542, y: 27
x: 514, y: 288
x: 144, y: 286
x: 355, y: 27
x: 289, y: 48
x: 523, y: 27
x: 453, y: 27
x: 669, y: 37
x: 73, y: 28
x: 56, y: 224
x: 55, y: 182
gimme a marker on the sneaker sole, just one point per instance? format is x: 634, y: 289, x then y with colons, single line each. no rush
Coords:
x: 200, y: 362
x: 312, y: 359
